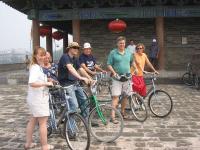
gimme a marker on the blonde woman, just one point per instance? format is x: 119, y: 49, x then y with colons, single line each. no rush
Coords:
x: 38, y: 100
x: 140, y: 61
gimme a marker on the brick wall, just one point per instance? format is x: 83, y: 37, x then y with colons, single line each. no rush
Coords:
x: 142, y: 30
x: 178, y: 54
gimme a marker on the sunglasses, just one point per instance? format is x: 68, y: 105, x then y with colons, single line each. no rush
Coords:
x: 139, y: 48
x: 75, y: 47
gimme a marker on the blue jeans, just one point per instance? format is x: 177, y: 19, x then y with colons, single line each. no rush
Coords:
x: 79, y: 99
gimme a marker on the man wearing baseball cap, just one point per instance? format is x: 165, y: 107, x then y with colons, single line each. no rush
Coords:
x: 87, y: 60
x: 68, y: 68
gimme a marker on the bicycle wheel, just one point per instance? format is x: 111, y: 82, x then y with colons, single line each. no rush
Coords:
x: 49, y: 127
x: 76, y: 132
x: 138, y: 107
x: 105, y: 131
x: 197, y: 82
x: 50, y: 123
x: 188, y: 79
x: 160, y: 103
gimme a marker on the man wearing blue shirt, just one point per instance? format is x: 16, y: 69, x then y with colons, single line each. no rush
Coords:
x: 87, y: 60
x: 68, y: 68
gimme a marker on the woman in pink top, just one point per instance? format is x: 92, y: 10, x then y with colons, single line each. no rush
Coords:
x: 141, y: 60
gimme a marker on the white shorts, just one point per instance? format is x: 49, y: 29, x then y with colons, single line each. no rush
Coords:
x: 119, y: 87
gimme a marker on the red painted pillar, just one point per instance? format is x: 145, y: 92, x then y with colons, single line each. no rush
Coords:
x: 76, y: 30
x: 65, y: 42
x: 35, y: 33
x: 160, y: 38
x: 49, y: 43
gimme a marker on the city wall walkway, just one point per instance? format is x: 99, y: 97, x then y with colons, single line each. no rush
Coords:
x: 179, y: 131
x: 21, y: 77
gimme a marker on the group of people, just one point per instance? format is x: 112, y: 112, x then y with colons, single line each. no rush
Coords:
x: 121, y: 61
x: 69, y: 71
x: 153, y: 51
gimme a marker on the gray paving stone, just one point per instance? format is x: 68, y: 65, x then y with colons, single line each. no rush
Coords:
x: 179, y: 131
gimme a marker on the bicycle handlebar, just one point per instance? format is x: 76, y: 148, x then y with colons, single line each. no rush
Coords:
x: 58, y: 86
x: 123, y: 77
x: 151, y: 73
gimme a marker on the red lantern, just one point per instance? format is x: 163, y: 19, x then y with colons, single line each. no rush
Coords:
x: 117, y: 26
x: 45, y: 30
x: 57, y: 35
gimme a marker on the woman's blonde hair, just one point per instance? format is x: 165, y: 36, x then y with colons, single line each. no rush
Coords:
x: 36, y: 50
x: 140, y: 44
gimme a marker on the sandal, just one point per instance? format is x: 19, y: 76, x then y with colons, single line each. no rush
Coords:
x: 32, y: 145
x: 124, y: 116
x: 50, y: 147
x: 113, y: 120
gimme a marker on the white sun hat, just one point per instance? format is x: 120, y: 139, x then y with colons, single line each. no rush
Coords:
x: 86, y: 45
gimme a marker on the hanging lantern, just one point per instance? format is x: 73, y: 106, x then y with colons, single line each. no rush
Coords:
x: 57, y: 35
x: 117, y: 26
x: 44, y: 30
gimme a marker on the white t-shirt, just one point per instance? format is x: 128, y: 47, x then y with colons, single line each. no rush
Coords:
x: 38, y: 98
x: 131, y: 48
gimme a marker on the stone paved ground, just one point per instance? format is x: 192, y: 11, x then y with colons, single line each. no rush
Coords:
x: 179, y: 131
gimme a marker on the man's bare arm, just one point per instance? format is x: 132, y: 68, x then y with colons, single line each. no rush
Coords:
x: 73, y: 71
x: 87, y: 70
x: 110, y: 68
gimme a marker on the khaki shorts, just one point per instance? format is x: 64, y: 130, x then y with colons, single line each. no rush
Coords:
x: 120, y: 87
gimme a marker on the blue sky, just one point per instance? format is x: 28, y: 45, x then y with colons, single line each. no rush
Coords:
x: 14, y: 29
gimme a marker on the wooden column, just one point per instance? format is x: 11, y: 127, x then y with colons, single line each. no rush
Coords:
x: 65, y: 42
x: 76, y: 30
x: 49, y: 43
x: 35, y: 33
x: 160, y: 37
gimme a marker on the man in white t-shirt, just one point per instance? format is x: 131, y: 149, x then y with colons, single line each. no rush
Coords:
x: 131, y: 47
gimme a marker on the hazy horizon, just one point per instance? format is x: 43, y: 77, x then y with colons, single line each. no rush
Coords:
x: 14, y: 28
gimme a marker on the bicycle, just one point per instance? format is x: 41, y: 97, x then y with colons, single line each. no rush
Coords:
x: 136, y: 102
x: 191, y: 77
x: 197, y: 81
x: 159, y: 102
x: 188, y: 78
x: 103, y: 81
x: 100, y: 114
x: 75, y: 129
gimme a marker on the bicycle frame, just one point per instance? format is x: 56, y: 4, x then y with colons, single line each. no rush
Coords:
x: 152, y: 88
x: 65, y: 112
x: 93, y: 100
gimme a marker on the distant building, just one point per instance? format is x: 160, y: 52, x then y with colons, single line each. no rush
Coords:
x: 12, y: 56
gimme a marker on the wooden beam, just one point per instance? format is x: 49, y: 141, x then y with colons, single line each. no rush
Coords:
x: 121, y: 12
